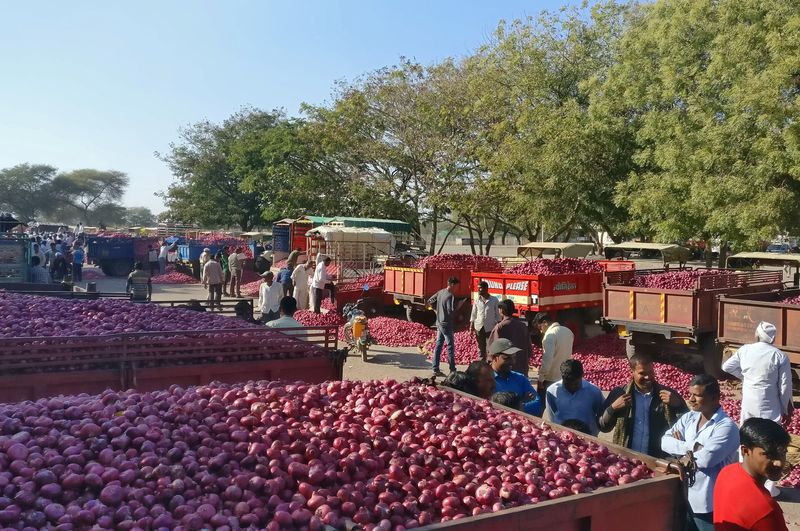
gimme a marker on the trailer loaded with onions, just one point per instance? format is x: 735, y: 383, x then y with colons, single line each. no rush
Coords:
x: 96, y: 344
x: 270, y: 455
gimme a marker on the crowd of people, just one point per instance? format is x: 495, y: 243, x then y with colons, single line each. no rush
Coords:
x: 56, y: 256
x: 736, y: 462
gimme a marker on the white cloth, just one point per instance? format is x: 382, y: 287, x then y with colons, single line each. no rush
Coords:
x: 285, y: 321
x: 269, y: 297
x: 204, y: 258
x: 485, y: 313
x: 766, y: 332
x: 766, y: 380
x: 321, y: 276
x: 557, y: 348
x: 300, y: 280
x: 163, y: 252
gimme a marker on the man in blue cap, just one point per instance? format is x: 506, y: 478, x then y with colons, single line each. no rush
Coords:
x: 501, y: 354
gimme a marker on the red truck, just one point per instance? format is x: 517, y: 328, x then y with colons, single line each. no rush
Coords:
x: 573, y: 299
x: 412, y: 287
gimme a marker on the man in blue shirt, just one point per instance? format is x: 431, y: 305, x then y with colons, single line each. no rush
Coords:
x: 573, y: 398
x: 713, y: 439
x: 285, y: 280
x: 502, y: 352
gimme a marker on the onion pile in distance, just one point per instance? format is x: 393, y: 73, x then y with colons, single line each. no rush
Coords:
x: 677, y: 280
x: 274, y: 456
x: 470, y: 262
x: 556, y: 266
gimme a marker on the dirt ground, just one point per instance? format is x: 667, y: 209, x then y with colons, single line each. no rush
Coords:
x: 403, y: 363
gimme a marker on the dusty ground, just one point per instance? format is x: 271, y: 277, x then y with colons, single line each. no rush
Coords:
x: 404, y: 363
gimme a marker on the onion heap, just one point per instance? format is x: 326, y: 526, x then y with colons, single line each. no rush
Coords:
x: 273, y: 456
x: 677, y: 280
x: 309, y: 318
x: 374, y: 280
x: 795, y: 300
x: 251, y: 288
x: 34, y: 316
x: 556, y: 266
x: 391, y: 332
x: 173, y: 277
x: 92, y: 274
x: 469, y: 262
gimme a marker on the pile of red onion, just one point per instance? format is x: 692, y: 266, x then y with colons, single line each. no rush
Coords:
x: 391, y: 332
x: 93, y: 274
x: 374, y: 280
x: 469, y: 262
x: 309, y: 318
x: 795, y: 299
x: 269, y: 455
x: 173, y: 277
x: 251, y: 288
x: 556, y: 266
x: 677, y: 280
x: 34, y: 316
x: 221, y: 240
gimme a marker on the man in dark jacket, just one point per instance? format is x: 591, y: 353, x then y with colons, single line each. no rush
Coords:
x: 516, y: 331
x: 640, y: 411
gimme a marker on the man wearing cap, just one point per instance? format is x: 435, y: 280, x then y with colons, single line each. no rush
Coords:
x: 516, y: 331
x: 766, y: 380
x: 270, y: 294
x: 501, y: 353
x: 485, y: 315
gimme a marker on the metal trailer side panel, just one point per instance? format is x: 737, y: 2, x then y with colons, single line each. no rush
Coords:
x: 739, y: 316
x: 20, y: 387
x: 653, y: 504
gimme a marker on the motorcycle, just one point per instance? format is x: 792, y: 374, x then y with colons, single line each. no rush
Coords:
x: 356, y: 329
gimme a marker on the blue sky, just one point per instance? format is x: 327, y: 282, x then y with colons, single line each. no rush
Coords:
x: 106, y: 84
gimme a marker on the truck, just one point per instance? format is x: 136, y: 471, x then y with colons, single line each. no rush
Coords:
x: 113, y: 255
x: 411, y: 287
x: 668, y: 253
x: 15, y: 253
x: 680, y: 324
x: 574, y: 299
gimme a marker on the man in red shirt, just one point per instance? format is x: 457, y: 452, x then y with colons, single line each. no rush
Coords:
x: 740, y: 500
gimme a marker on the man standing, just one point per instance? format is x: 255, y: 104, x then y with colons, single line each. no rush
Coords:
x: 516, y: 331
x: 502, y: 352
x: 321, y: 282
x: 285, y: 280
x: 152, y: 259
x: 766, y: 380
x: 300, y: 277
x: 485, y: 315
x: 163, y: 252
x: 213, y: 278
x: 77, y: 263
x: 205, y: 256
x: 139, y: 286
x: 235, y: 260
x: 269, y: 297
x: 741, y: 501
x: 557, y: 343
x: 39, y: 274
x: 573, y: 398
x: 713, y: 439
x: 444, y: 304
x: 640, y: 411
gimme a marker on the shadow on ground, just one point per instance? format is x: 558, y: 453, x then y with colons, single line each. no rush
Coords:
x: 403, y: 360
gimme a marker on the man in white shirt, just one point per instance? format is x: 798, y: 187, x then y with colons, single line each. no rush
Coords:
x: 205, y: 256
x: 300, y: 277
x: 713, y: 439
x: 152, y: 259
x: 766, y: 377
x: 485, y: 315
x: 288, y: 306
x: 163, y: 252
x: 321, y: 282
x: 269, y: 297
x: 557, y: 343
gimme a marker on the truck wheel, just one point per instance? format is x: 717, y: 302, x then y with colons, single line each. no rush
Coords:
x: 712, y: 357
x: 632, y: 348
x: 574, y: 320
x: 116, y: 268
x: 426, y: 317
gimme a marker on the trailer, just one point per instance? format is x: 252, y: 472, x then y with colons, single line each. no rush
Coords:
x: 739, y: 316
x: 677, y: 323
x: 15, y: 251
x: 789, y: 262
x: 412, y: 287
x: 574, y: 299
x: 666, y: 252
x: 33, y: 368
x: 654, y: 504
x: 114, y: 256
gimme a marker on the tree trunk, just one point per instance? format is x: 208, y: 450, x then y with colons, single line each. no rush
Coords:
x: 503, y: 237
x: 724, y: 250
x: 471, y: 236
x: 446, y: 236
x: 709, y: 258
x: 434, y: 230
x: 491, y: 237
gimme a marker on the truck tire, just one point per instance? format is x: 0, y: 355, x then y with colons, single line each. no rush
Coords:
x: 632, y: 348
x: 415, y: 315
x: 116, y: 268
x: 712, y: 356
x: 575, y: 320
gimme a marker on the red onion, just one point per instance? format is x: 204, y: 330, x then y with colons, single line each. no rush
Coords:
x: 556, y: 266
x: 470, y: 262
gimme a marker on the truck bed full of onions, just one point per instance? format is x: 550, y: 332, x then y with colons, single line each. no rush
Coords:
x: 555, y: 266
x: 269, y: 455
x: 471, y: 262
x: 678, y: 280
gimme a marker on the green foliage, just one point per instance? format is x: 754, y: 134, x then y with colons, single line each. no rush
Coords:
x: 139, y: 217
x: 86, y: 190
x: 25, y: 190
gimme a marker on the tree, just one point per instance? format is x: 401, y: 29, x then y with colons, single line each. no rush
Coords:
x: 87, y: 189
x: 207, y: 189
x: 139, y: 217
x: 25, y: 190
x: 710, y: 88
